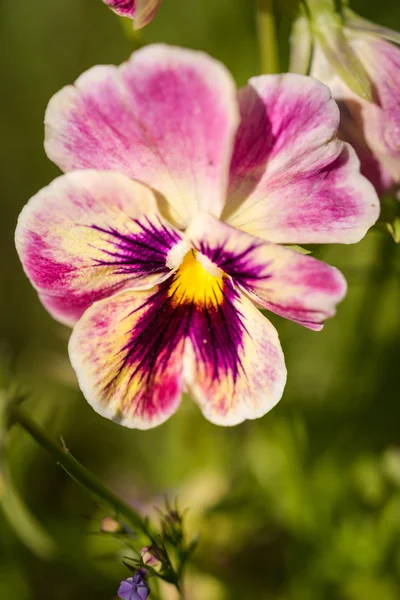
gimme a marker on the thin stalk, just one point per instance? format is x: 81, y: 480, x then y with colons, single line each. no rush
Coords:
x: 79, y: 473
x: 267, y: 37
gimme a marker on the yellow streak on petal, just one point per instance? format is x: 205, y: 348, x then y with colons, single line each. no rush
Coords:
x: 197, y: 280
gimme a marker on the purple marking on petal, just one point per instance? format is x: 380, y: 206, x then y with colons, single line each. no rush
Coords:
x: 138, y: 253
x: 170, y: 317
x: 246, y: 272
x: 240, y: 265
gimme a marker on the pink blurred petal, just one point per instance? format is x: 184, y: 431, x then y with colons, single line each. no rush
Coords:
x: 372, y: 128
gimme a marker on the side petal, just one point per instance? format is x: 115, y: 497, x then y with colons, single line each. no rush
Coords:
x: 292, y: 180
x: 234, y: 365
x: 88, y: 235
x: 292, y: 285
x: 127, y: 353
x: 167, y: 118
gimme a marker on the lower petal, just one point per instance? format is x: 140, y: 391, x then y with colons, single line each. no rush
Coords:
x: 234, y: 365
x: 127, y: 352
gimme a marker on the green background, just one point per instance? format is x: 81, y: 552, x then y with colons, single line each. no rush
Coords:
x: 303, y: 504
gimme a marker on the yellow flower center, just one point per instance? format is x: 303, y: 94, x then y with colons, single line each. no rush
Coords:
x: 197, y: 280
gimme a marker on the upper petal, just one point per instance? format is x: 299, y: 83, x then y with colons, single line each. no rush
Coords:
x: 88, y: 235
x: 167, y: 117
x: 127, y: 353
x: 292, y: 180
x: 290, y: 284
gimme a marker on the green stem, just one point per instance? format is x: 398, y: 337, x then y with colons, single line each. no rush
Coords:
x: 267, y: 37
x: 79, y: 473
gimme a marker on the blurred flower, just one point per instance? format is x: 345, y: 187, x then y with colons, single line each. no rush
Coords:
x: 372, y: 127
x: 109, y: 525
x: 168, y: 227
x: 149, y: 556
x: 134, y: 588
x: 142, y: 11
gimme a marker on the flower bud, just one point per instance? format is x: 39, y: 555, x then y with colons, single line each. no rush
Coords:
x: 142, y: 11
x: 371, y: 125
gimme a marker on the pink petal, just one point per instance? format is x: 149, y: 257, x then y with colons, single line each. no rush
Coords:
x: 167, y: 117
x: 234, y: 365
x: 382, y: 63
x: 381, y: 120
x: 293, y: 285
x: 143, y: 11
x: 292, y: 180
x: 127, y: 352
x: 88, y: 235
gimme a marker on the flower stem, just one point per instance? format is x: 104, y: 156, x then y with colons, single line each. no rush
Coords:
x: 79, y: 473
x: 267, y: 37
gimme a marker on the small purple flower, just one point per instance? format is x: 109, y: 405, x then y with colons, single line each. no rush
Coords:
x: 134, y: 588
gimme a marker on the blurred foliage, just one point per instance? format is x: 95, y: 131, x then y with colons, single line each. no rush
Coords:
x: 303, y: 504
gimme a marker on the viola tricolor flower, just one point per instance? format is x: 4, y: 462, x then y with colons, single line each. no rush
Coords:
x: 164, y: 235
x: 134, y: 588
x: 142, y: 11
x: 373, y: 128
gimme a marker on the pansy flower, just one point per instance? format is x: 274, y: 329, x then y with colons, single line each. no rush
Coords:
x: 373, y: 128
x: 167, y: 231
x: 142, y: 11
